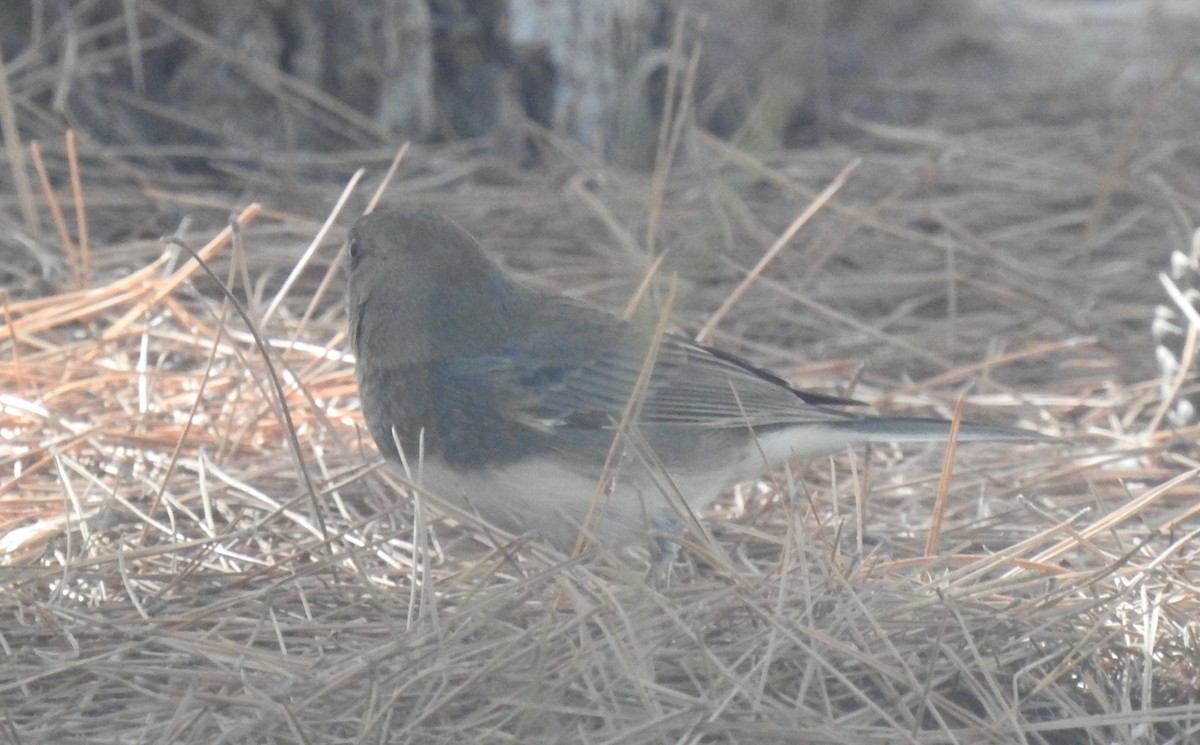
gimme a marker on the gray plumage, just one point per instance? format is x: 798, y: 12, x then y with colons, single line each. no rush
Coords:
x: 515, y: 392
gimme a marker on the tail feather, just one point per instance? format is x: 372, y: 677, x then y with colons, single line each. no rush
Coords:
x: 916, y: 429
x: 831, y: 437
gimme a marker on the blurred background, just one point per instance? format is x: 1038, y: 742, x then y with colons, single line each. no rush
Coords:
x: 771, y: 73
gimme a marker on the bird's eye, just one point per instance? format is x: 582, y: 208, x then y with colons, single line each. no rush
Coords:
x: 354, y: 250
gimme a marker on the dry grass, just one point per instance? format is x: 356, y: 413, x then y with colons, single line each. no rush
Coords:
x: 184, y: 562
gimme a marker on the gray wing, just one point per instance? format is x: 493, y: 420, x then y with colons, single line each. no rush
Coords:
x: 579, y: 368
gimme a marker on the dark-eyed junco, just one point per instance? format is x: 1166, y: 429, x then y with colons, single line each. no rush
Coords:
x: 510, y: 397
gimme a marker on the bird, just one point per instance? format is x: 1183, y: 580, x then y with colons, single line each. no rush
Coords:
x: 542, y: 414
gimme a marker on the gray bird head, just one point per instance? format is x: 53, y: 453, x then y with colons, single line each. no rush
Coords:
x: 424, y: 286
